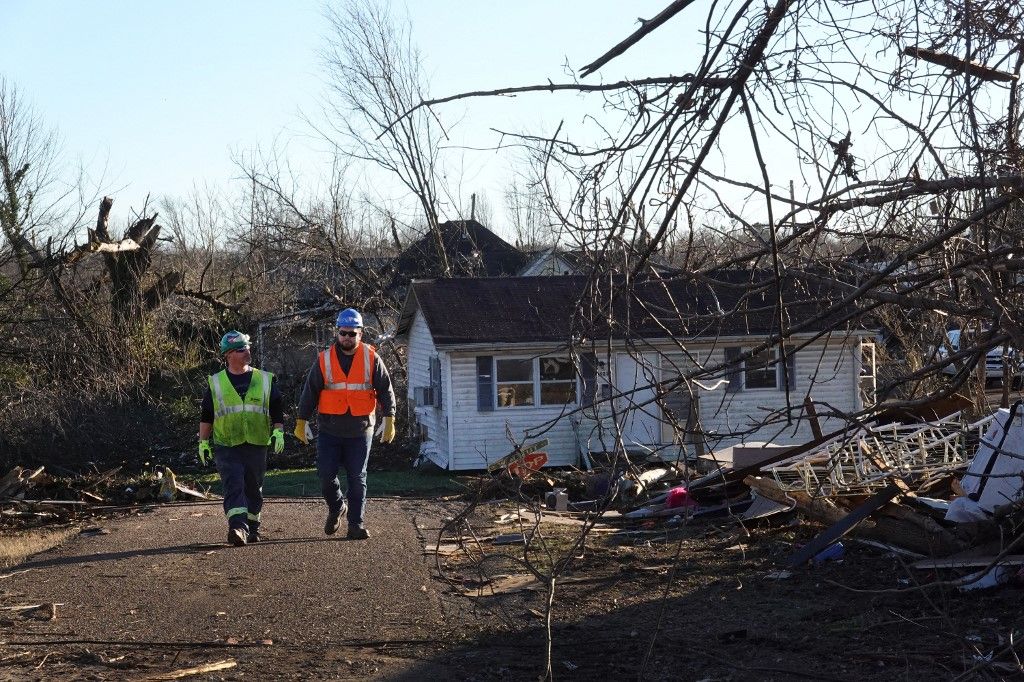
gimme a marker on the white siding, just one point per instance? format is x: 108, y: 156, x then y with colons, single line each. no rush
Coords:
x: 421, y: 350
x: 825, y: 372
x: 478, y: 438
x: 828, y: 372
x: 547, y: 265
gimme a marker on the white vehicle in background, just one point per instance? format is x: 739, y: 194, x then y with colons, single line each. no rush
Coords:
x: 994, y: 358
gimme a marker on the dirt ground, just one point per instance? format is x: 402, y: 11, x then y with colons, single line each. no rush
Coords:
x: 155, y: 593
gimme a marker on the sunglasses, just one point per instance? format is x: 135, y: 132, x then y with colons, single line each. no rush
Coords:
x: 349, y: 334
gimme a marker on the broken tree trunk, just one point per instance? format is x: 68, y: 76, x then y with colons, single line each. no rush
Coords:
x: 127, y: 263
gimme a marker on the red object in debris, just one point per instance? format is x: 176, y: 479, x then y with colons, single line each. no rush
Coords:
x: 530, y: 464
x: 679, y: 497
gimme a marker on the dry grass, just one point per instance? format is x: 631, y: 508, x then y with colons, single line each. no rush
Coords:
x: 16, y: 546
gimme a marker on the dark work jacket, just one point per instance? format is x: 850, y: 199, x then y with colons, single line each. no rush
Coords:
x: 346, y: 425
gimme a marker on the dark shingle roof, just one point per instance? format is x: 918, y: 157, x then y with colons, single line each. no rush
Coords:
x: 524, y: 309
x: 471, y: 249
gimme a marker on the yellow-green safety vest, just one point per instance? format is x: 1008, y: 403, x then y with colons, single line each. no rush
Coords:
x: 238, y: 420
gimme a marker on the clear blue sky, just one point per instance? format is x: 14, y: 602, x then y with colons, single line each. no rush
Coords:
x: 154, y: 96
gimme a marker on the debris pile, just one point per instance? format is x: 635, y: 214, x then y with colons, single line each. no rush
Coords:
x: 947, y: 493
x: 35, y: 497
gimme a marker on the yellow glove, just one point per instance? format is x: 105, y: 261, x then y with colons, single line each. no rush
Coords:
x: 389, y: 430
x: 302, y: 431
x: 277, y: 439
x: 205, y: 452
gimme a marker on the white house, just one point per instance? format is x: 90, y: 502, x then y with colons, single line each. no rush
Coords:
x: 496, y: 360
x: 550, y: 262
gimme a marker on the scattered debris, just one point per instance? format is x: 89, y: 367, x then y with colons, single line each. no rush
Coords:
x: 168, y: 486
x: 503, y: 584
x: 18, y: 482
x: 31, y: 497
x: 557, y: 500
x: 901, y: 488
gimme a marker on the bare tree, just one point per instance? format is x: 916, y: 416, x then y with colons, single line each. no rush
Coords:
x: 805, y: 135
x: 375, y: 73
x: 531, y: 222
x: 29, y: 157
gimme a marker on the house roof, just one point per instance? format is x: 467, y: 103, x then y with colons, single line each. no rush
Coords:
x: 471, y: 249
x: 552, y: 309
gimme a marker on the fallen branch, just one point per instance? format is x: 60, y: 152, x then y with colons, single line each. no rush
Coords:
x: 197, y: 670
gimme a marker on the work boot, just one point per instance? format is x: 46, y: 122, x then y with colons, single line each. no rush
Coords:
x: 358, y: 533
x: 237, y: 536
x: 333, y: 522
x: 254, y: 535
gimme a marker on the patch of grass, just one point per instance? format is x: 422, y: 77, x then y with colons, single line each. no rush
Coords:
x: 304, y: 483
x: 19, y: 545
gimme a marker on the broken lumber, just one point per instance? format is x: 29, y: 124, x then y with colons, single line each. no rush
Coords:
x: 917, y: 535
x: 17, y: 480
x: 9, y: 481
x: 843, y: 526
x: 185, y: 490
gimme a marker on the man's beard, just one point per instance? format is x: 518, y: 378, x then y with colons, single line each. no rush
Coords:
x: 348, y: 344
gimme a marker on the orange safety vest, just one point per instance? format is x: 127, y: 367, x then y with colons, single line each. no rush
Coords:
x: 340, y: 393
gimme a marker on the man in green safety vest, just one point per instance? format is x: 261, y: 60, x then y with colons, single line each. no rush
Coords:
x: 239, y: 407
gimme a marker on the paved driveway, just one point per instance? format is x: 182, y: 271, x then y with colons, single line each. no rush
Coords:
x: 163, y: 592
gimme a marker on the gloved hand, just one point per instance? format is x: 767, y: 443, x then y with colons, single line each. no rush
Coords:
x: 303, y: 432
x: 277, y: 440
x: 389, y: 430
x: 205, y: 452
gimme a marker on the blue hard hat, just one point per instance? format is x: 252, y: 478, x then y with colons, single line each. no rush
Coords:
x: 349, y: 317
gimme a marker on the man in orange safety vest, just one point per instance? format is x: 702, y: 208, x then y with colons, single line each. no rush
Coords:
x: 346, y: 385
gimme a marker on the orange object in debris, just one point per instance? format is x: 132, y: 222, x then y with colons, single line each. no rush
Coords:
x: 530, y: 464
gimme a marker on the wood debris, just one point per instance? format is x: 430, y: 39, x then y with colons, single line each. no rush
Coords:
x: 197, y: 670
x: 18, y: 482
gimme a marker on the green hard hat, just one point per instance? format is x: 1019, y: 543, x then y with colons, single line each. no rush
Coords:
x: 233, y: 341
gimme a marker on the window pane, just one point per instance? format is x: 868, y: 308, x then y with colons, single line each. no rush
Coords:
x: 759, y: 374
x: 515, y: 395
x: 557, y: 392
x: 515, y: 370
x: 556, y: 368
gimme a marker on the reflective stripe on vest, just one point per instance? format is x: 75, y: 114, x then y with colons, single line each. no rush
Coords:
x: 339, y: 394
x: 221, y: 408
x: 241, y: 419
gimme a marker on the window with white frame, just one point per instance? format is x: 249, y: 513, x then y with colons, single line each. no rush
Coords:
x: 761, y: 370
x: 525, y: 382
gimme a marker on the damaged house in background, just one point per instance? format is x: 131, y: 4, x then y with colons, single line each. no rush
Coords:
x: 663, y: 367
x: 373, y: 283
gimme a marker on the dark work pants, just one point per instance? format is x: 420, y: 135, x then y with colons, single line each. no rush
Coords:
x: 241, y: 470
x: 334, y: 453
